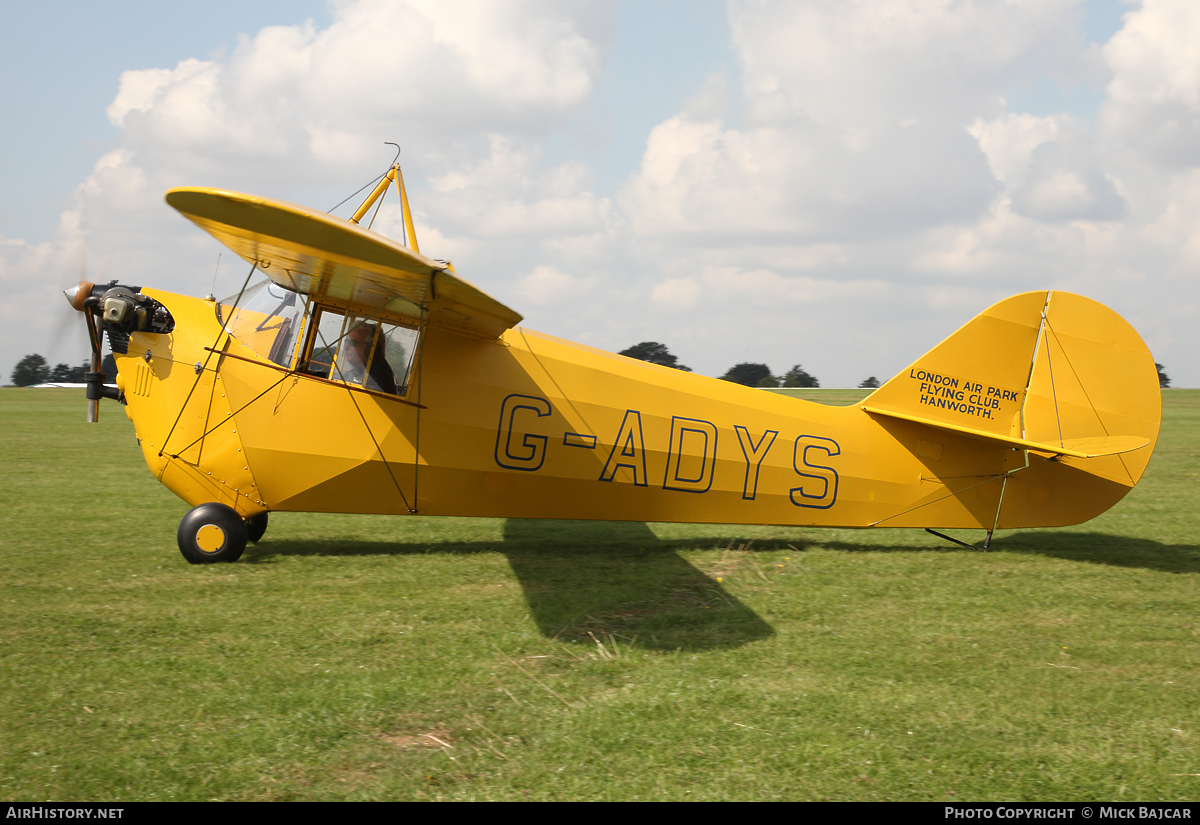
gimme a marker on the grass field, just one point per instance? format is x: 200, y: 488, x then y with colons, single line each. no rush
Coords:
x: 412, y: 658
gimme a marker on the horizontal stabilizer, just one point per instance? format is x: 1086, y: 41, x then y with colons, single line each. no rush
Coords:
x: 1091, y: 447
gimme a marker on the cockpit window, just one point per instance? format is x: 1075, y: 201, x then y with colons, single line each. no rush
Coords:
x: 267, y: 320
x: 398, y: 348
x: 362, y: 351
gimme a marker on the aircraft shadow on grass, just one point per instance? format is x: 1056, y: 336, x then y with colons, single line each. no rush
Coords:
x: 1093, y: 548
x: 612, y: 580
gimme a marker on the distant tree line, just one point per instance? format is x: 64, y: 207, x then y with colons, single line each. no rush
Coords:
x: 747, y: 374
x: 33, y: 369
x: 759, y: 375
x: 653, y: 352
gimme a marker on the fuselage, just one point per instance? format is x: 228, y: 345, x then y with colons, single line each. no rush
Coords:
x: 531, y: 426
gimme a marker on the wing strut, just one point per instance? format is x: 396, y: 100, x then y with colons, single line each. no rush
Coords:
x: 200, y: 372
x: 393, y: 176
x: 386, y: 464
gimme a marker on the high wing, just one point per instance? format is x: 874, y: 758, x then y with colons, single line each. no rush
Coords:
x: 333, y: 260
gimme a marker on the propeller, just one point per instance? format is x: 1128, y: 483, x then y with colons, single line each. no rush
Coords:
x: 86, y: 297
x: 66, y: 335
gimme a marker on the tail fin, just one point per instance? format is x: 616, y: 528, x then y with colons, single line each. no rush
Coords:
x: 1049, y: 373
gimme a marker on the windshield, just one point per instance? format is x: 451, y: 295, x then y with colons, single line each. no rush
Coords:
x: 356, y: 349
x: 266, y: 320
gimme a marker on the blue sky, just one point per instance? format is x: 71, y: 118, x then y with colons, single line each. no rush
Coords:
x: 838, y: 185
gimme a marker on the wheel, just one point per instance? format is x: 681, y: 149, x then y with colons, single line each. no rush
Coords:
x: 255, y: 527
x: 211, y: 533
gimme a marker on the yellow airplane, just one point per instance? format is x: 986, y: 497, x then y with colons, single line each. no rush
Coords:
x: 359, y: 376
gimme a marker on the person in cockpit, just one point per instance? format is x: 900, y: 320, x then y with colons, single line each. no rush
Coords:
x: 363, y: 359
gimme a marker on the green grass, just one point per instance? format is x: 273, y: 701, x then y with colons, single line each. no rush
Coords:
x: 833, y: 397
x: 412, y: 658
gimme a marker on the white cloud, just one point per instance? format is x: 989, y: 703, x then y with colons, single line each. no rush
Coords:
x: 855, y: 122
x: 546, y: 285
x: 424, y: 73
x: 1008, y: 141
x: 141, y: 90
x: 1153, y: 100
x: 676, y: 294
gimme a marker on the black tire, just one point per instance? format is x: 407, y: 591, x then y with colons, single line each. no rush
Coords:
x: 211, y: 533
x: 255, y: 527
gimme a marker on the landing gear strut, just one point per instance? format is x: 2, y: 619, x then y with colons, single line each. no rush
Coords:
x: 987, y: 542
x: 213, y: 532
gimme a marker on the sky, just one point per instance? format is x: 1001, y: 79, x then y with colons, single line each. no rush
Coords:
x: 835, y: 184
